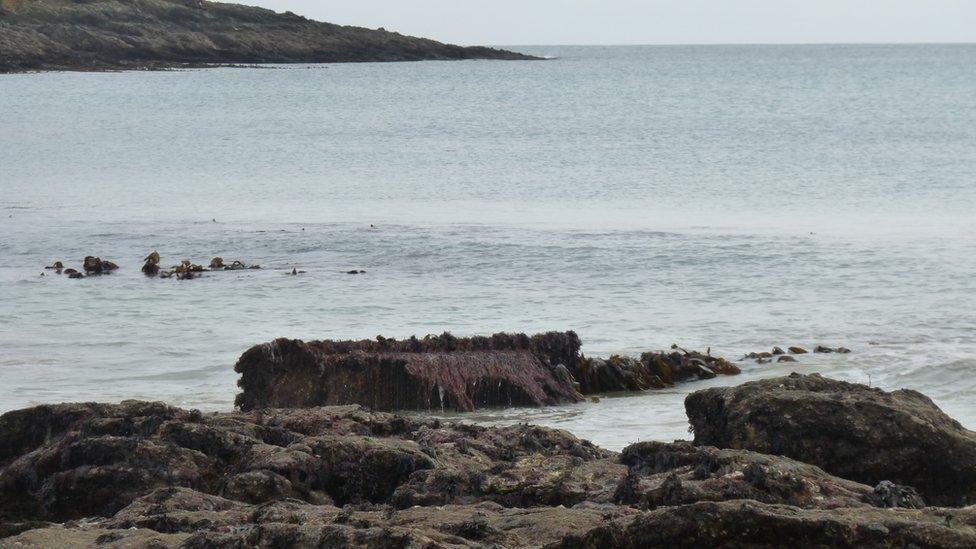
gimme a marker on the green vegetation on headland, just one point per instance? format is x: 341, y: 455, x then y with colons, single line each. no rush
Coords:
x: 158, y: 34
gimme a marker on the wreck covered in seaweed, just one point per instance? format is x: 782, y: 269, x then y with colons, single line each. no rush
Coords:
x: 450, y: 373
x: 436, y: 372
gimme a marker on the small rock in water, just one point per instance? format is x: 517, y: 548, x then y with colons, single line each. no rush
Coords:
x: 778, y: 351
x: 355, y: 272
x: 786, y: 358
x: 823, y: 349
x: 56, y: 265
x: 76, y: 274
x: 217, y: 263
x: 798, y: 350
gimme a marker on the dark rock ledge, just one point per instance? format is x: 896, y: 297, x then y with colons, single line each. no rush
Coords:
x: 142, y: 474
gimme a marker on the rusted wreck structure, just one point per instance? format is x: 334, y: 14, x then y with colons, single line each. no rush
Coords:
x: 449, y: 373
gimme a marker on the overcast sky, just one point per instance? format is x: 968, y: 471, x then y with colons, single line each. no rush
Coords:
x: 525, y: 22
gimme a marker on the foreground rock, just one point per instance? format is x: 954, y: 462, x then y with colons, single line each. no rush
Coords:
x: 849, y: 430
x: 448, y: 373
x: 146, y: 474
x: 107, y: 34
x: 747, y: 523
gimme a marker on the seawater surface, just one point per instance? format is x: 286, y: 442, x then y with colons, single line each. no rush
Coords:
x: 732, y: 197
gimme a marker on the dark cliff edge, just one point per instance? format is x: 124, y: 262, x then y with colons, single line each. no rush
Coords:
x: 160, y: 34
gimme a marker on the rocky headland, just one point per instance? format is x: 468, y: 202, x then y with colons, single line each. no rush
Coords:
x: 147, y: 474
x: 156, y: 34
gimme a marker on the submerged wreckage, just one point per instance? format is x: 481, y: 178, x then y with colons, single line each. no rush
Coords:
x: 449, y: 373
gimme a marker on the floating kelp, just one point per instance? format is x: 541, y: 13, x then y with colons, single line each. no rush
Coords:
x: 653, y: 370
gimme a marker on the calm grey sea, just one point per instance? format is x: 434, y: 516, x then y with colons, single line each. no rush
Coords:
x: 726, y: 197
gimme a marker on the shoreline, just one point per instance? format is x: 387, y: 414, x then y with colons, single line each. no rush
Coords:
x: 176, y: 66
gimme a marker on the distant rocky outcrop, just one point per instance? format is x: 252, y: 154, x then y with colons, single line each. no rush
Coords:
x: 126, y: 34
x: 850, y: 430
x: 434, y: 373
x: 450, y: 373
x: 141, y: 474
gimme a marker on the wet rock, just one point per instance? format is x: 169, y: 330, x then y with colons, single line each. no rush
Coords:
x: 183, y: 518
x: 56, y: 265
x: 798, y: 350
x: 437, y: 372
x: 745, y: 523
x: 667, y: 474
x: 217, y: 263
x: 827, y: 350
x: 889, y: 494
x: 785, y: 358
x: 654, y: 370
x: 258, y: 487
x: 777, y: 351
x: 141, y: 474
x: 67, y: 462
x: 850, y: 430
x: 74, y: 274
x: 355, y: 272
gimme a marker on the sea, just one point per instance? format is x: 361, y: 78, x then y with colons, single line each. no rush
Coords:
x: 730, y: 198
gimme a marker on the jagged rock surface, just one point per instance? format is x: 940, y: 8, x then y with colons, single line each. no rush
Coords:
x: 746, y: 523
x: 146, y: 474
